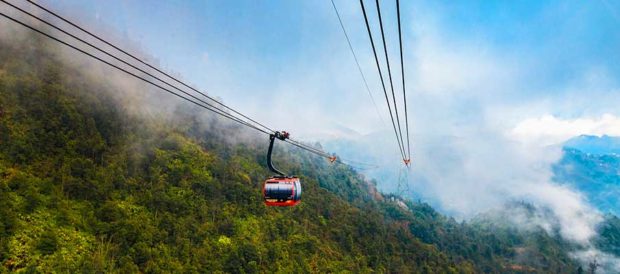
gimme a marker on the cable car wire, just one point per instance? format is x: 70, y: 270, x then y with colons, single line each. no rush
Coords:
x: 364, y: 165
x: 387, y: 60
x: 402, y: 69
x: 357, y: 62
x: 115, y: 57
x: 374, y: 51
x: 324, y: 154
x: 147, y: 64
x: 309, y: 148
x: 207, y: 107
x: 338, y: 159
x: 130, y: 73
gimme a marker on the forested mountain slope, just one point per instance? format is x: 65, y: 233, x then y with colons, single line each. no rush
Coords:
x: 595, y: 175
x: 95, y: 178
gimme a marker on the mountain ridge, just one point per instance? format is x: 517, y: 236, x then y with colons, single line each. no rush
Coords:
x: 592, y: 144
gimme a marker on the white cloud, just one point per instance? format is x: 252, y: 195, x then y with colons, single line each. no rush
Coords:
x: 606, y: 262
x: 440, y: 68
x: 548, y: 129
x: 466, y: 99
x: 577, y: 219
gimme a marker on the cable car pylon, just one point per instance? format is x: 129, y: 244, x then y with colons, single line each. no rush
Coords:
x: 403, y: 189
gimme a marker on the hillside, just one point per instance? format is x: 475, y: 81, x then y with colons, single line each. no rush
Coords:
x: 596, y: 175
x: 91, y: 181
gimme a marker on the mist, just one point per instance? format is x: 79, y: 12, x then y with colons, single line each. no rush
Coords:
x: 465, y: 105
x: 478, y: 141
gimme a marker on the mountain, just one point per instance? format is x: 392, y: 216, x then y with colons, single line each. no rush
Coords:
x: 591, y: 165
x: 101, y: 174
x: 603, y: 145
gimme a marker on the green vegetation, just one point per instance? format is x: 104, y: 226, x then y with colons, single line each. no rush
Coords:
x: 609, y: 235
x: 87, y: 184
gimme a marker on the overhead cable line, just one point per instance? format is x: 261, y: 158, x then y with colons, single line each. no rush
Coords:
x: 181, y: 82
x: 374, y: 51
x: 155, y: 68
x: 123, y: 61
x: 302, y: 145
x: 331, y: 157
x: 147, y: 64
x: 363, y: 165
x: 357, y: 62
x: 348, y: 162
x: 402, y: 69
x: 204, y: 106
x: 307, y: 147
x: 130, y: 73
x: 387, y: 60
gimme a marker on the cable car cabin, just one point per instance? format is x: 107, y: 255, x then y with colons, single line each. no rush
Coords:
x: 282, y: 191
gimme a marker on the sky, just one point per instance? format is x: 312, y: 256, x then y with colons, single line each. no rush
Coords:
x: 287, y: 62
x: 516, y: 67
x: 493, y: 87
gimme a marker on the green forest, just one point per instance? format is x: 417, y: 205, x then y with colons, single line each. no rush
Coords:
x: 89, y: 184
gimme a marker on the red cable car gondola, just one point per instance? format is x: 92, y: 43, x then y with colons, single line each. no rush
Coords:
x: 280, y: 190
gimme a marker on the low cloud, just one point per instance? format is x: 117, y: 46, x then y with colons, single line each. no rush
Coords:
x: 548, y: 129
x: 474, y: 147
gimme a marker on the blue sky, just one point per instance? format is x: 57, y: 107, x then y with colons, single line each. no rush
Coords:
x: 242, y: 51
x: 255, y: 54
x: 471, y: 65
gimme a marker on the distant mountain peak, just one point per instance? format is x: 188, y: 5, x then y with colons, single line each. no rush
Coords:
x: 592, y: 144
